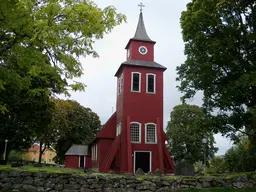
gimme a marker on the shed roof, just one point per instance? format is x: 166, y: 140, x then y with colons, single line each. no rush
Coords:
x: 77, y: 150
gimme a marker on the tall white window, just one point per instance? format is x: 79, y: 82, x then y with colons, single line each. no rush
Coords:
x: 118, y: 129
x: 118, y: 86
x: 136, y: 81
x: 150, y: 133
x: 135, y: 131
x: 151, y: 83
x: 121, y: 83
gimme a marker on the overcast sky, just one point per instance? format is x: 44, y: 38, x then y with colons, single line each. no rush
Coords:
x: 161, y: 18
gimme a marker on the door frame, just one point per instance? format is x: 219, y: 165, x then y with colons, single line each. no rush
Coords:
x: 79, y: 157
x: 150, y: 160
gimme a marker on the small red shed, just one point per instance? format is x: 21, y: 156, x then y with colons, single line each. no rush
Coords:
x: 133, y: 137
x: 77, y: 157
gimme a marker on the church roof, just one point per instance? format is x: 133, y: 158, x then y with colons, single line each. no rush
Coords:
x: 141, y: 63
x: 141, y: 33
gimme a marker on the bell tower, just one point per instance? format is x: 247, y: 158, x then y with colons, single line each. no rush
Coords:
x: 140, y: 47
x: 139, y: 107
x: 133, y: 136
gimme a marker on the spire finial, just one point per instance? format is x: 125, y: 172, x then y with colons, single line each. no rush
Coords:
x: 141, y: 6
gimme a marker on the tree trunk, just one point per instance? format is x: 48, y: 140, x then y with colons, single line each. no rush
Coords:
x: 41, y: 151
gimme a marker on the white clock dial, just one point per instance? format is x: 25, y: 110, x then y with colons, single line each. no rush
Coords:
x: 143, y: 50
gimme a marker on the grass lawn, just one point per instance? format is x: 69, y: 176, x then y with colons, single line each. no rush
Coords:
x: 221, y: 190
x: 31, y: 168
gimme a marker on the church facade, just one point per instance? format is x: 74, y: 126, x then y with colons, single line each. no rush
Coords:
x: 133, y: 137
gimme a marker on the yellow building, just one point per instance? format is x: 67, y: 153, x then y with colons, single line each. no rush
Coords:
x: 33, y: 155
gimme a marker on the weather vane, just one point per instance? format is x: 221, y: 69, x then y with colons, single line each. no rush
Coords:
x: 141, y: 6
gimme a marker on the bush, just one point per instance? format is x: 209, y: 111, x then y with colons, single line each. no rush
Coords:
x: 241, y: 158
x: 15, y: 156
x: 217, y: 165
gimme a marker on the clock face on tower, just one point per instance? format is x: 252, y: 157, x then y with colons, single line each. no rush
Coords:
x: 143, y: 50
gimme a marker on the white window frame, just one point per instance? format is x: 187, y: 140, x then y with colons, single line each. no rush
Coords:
x: 139, y: 82
x: 118, y: 86
x: 121, y: 83
x: 147, y: 83
x: 118, y: 129
x: 146, y: 133
x: 139, y: 132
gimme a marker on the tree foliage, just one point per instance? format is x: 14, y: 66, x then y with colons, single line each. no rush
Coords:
x: 241, y: 157
x: 220, y: 41
x: 75, y: 124
x: 48, y: 37
x: 186, y: 130
x: 27, y: 119
x: 40, y: 46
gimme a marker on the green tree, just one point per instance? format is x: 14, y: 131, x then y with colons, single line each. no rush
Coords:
x: 241, y: 157
x: 41, y: 42
x: 219, y: 38
x: 49, y: 36
x: 75, y: 125
x: 186, y: 130
x: 217, y: 165
x: 26, y: 120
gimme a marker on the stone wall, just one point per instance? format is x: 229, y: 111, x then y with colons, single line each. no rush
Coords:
x: 29, y: 181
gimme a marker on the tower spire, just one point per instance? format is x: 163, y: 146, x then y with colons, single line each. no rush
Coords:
x: 141, y: 6
x: 141, y: 33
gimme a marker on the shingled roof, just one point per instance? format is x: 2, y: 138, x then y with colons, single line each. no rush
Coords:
x: 141, y: 63
x: 141, y: 33
x: 80, y: 150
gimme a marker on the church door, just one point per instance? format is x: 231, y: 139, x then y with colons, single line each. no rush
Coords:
x: 142, y: 159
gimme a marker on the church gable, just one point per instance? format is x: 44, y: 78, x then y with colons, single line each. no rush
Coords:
x: 109, y: 129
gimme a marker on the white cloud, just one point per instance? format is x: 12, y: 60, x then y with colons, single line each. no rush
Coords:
x: 163, y: 26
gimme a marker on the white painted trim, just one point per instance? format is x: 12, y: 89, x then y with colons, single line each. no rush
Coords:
x: 139, y: 82
x: 121, y: 83
x: 150, y: 160
x: 134, y: 122
x: 154, y: 83
x: 146, y: 133
x: 96, y: 152
x: 80, y: 160
x: 118, y: 128
x: 144, y: 48
x: 128, y: 53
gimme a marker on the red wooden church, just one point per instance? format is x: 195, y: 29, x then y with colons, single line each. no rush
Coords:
x: 133, y: 137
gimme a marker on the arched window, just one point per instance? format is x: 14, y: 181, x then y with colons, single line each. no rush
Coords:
x: 150, y: 133
x: 135, y: 131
